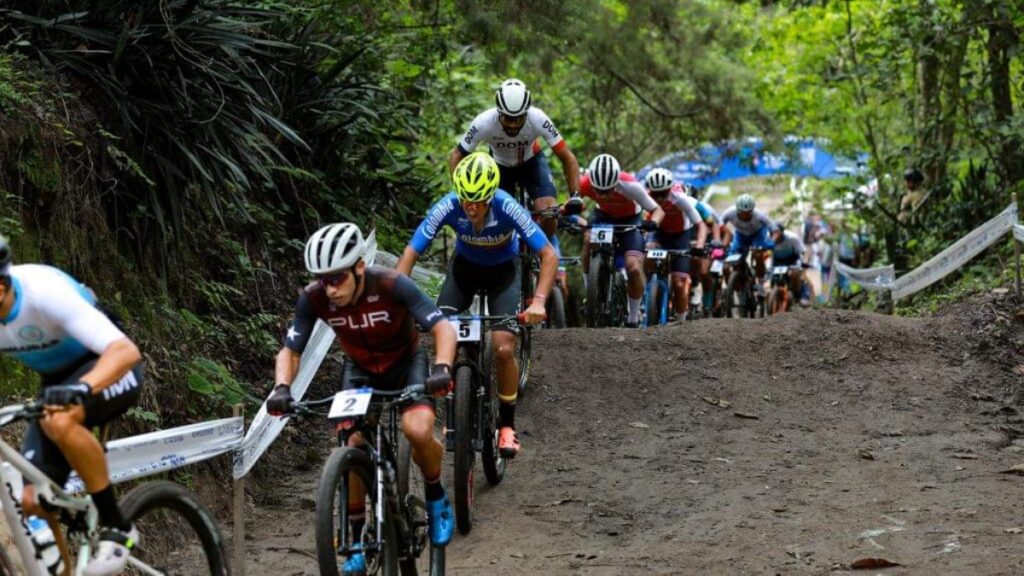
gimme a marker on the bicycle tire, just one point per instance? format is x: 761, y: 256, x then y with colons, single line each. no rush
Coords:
x: 617, y: 307
x: 434, y: 564
x: 524, y: 349
x: 556, y: 308
x: 464, y: 458
x: 494, y: 464
x: 597, y: 291
x: 154, y: 500
x: 647, y: 305
x: 729, y: 297
x: 343, y: 461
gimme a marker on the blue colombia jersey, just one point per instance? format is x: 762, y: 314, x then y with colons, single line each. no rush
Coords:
x: 495, y: 243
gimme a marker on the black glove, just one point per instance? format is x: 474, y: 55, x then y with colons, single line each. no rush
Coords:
x: 573, y: 206
x: 648, y: 225
x: 65, y: 394
x: 280, y: 400
x: 439, y: 382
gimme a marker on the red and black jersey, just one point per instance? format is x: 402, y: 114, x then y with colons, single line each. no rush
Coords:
x: 377, y: 331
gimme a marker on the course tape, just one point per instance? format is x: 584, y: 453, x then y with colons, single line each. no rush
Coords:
x: 873, y: 279
x: 957, y: 255
x: 163, y: 450
x: 1018, y: 232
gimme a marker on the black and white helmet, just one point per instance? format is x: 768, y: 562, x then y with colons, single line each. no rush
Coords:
x: 659, y: 180
x: 604, y: 172
x: 6, y: 257
x: 336, y: 247
x: 512, y: 98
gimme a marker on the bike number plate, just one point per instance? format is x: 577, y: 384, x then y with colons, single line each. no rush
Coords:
x: 350, y: 403
x: 716, y: 267
x: 657, y: 254
x: 733, y: 258
x: 781, y: 270
x: 467, y: 330
x: 601, y: 235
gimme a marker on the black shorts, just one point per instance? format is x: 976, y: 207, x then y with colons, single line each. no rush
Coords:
x: 534, y: 176
x: 499, y: 283
x: 412, y: 370
x: 632, y: 241
x: 100, y: 409
x: 680, y: 262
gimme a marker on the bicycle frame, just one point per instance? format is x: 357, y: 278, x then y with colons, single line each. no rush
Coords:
x: 660, y: 280
x: 605, y: 252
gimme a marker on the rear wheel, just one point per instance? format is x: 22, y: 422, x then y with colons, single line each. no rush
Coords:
x: 332, y: 515
x: 411, y: 491
x: 178, y: 534
x: 465, y: 456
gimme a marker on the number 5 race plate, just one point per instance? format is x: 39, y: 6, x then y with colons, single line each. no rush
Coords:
x: 467, y: 330
x: 350, y: 403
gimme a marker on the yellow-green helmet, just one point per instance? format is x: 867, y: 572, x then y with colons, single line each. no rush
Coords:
x: 476, y: 178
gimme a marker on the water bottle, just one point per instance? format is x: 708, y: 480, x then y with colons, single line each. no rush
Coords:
x: 46, y: 545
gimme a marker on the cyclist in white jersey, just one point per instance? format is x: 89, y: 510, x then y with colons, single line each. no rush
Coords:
x: 752, y: 228
x: 512, y: 129
x: 91, y: 373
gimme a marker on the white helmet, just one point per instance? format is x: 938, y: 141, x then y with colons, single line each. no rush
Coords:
x: 745, y: 203
x: 512, y: 98
x: 336, y: 247
x: 659, y: 180
x: 604, y: 172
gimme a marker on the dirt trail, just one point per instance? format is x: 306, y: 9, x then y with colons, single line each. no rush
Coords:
x: 791, y: 445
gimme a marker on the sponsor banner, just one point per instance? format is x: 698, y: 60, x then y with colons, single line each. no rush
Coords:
x: 1018, y: 232
x: 163, y: 450
x: 873, y: 279
x: 957, y: 255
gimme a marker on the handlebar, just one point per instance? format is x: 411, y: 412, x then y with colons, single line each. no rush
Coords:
x: 407, y: 394
x: 27, y: 411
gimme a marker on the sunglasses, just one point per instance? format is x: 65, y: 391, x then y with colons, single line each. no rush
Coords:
x: 513, y: 120
x: 334, y: 280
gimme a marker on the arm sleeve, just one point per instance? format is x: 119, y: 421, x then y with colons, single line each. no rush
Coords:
x: 524, y: 224
x: 729, y: 216
x: 706, y: 214
x: 471, y: 138
x: 84, y: 322
x: 635, y: 192
x: 437, y: 217
x: 689, y: 207
x: 301, y: 327
x: 547, y: 128
x: 422, y: 308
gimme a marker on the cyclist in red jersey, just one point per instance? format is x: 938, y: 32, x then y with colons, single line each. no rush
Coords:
x: 374, y: 312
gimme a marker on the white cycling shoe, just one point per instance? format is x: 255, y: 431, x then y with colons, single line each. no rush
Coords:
x: 112, y: 553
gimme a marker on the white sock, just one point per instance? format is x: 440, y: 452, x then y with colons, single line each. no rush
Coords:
x: 634, y: 310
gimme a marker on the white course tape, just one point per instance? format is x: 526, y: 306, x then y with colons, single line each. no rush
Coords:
x: 1018, y: 232
x: 873, y: 279
x: 163, y: 450
x: 957, y: 255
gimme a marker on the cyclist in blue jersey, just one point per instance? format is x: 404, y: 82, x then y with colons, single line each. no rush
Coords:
x: 91, y: 373
x: 488, y: 225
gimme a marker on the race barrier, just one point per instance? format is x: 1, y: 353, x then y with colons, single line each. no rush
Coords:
x: 941, y: 265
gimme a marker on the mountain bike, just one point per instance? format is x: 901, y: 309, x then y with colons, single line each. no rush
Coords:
x: 178, y: 534
x: 606, y: 282
x: 715, y: 271
x: 395, y: 534
x: 472, y: 412
x: 658, y: 291
x: 782, y: 288
x: 741, y: 298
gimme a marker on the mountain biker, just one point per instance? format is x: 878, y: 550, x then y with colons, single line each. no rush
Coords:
x: 511, y: 129
x: 700, y: 264
x: 619, y: 199
x: 751, y: 230
x: 789, y: 250
x: 91, y: 373
x: 374, y: 312
x: 676, y: 231
x: 488, y: 225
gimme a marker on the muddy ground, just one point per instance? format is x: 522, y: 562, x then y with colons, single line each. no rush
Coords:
x: 792, y: 445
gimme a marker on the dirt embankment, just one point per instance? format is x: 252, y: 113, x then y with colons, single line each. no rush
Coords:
x: 795, y: 444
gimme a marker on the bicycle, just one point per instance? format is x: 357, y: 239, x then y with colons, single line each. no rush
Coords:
x: 779, y: 299
x: 657, y: 292
x: 741, y: 299
x: 472, y: 412
x: 606, y: 282
x: 189, y: 538
x: 715, y: 272
x: 395, y: 534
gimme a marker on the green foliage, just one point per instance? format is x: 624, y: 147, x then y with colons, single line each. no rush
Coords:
x: 214, y: 382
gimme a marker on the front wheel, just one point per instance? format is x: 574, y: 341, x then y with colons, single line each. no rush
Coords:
x: 556, y: 308
x: 597, y: 291
x: 332, y: 515
x: 178, y: 534
x: 465, y: 456
x: 493, y: 462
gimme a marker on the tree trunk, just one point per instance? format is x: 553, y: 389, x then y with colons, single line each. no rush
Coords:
x: 1003, y: 39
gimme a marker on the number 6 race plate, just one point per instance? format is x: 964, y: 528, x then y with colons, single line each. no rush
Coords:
x: 601, y: 235
x: 467, y: 330
x: 350, y: 403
